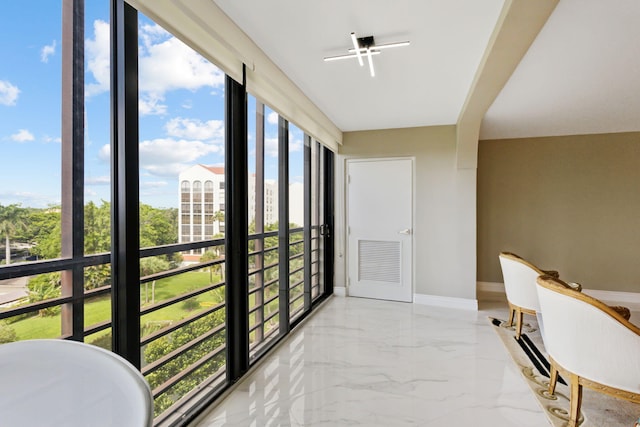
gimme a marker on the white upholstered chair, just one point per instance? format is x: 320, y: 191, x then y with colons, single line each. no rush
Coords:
x: 520, y: 286
x: 590, y: 343
x: 67, y: 383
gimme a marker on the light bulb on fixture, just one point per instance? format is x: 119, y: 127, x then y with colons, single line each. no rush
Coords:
x: 383, y: 46
x: 365, y: 46
x: 373, y: 73
x: 356, y: 48
x: 353, y: 55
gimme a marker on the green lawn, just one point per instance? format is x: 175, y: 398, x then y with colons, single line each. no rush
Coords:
x: 99, y: 309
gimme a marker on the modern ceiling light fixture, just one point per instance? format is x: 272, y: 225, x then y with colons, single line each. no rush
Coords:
x: 365, y: 46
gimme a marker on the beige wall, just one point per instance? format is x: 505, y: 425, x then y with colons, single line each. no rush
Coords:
x: 444, y: 222
x: 566, y: 203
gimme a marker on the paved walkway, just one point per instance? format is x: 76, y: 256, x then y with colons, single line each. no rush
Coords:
x: 13, y: 289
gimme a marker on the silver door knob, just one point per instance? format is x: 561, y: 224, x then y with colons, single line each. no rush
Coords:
x: 405, y: 231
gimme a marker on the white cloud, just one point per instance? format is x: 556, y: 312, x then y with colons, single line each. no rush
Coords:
x: 154, y: 184
x: 164, y: 151
x: 105, y: 153
x: 271, y: 147
x: 195, y: 129
x: 295, y: 145
x: 98, y: 51
x: 47, y: 51
x: 168, y: 156
x: 8, y: 93
x: 165, y: 64
x: 29, y: 199
x: 48, y: 138
x: 272, y: 118
x: 98, y: 180
x: 152, y: 32
x: 23, y: 135
x: 151, y: 105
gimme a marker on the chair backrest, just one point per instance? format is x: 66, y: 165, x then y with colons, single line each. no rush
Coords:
x: 587, y: 337
x: 520, y: 280
x: 67, y: 383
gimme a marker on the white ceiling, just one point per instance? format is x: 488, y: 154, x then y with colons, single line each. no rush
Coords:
x: 581, y: 75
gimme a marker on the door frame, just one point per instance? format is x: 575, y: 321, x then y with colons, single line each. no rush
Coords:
x: 345, y: 203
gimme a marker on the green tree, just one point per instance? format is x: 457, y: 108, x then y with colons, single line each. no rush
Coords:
x: 97, y: 227
x: 97, y: 276
x: 152, y: 265
x: 11, y: 222
x: 43, y: 287
x: 157, y: 226
x: 212, y: 255
x: 218, y: 216
x: 97, y: 239
x: 175, y: 340
x: 45, y: 232
x: 148, y: 266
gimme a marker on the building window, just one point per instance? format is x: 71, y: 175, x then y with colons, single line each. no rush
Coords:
x: 208, y: 192
x: 185, y: 192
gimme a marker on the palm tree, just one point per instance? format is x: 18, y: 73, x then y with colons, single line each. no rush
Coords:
x: 219, y: 217
x: 149, y: 266
x: 11, y: 220
x: 212, y: 255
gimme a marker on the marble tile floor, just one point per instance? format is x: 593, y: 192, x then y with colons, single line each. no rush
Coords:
x: 380, y: 363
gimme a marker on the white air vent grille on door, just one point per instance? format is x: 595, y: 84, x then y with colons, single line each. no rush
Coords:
x: 379, y: 261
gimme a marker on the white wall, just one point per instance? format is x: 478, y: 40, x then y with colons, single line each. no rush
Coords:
x: 445, y: 206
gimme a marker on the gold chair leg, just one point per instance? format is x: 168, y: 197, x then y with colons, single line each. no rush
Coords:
x: 518, y: 323
x: 512, y: 313
x: 575, y: 398
x: 553, y: 378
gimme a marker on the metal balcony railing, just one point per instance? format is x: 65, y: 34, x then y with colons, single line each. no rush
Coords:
x: 183, y: 330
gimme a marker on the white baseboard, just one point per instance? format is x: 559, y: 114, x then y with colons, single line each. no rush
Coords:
x: 340, y: 291
x: 490, y: 287
x: 448, y: 302
x: 628, y: 298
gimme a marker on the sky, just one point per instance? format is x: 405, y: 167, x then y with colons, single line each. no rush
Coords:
x: 181, y: 109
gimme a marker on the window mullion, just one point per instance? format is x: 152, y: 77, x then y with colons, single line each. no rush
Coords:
x: 259, y: 222
x: 72, y: 126
x: 307, y: 222
x: 236, y: 230
x: 283, y: 224
x: 125, y: 209
x: 328, y: 215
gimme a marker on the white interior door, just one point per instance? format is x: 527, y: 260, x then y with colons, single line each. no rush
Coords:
x: 380, y: 228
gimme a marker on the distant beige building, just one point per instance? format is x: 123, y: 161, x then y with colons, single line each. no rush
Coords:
x: 201, y: 208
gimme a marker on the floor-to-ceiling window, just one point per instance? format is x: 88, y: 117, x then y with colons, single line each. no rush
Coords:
x: 55, y: 194
x: 296, y: 222
x: 124, y: 156
x: 181, y: 155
